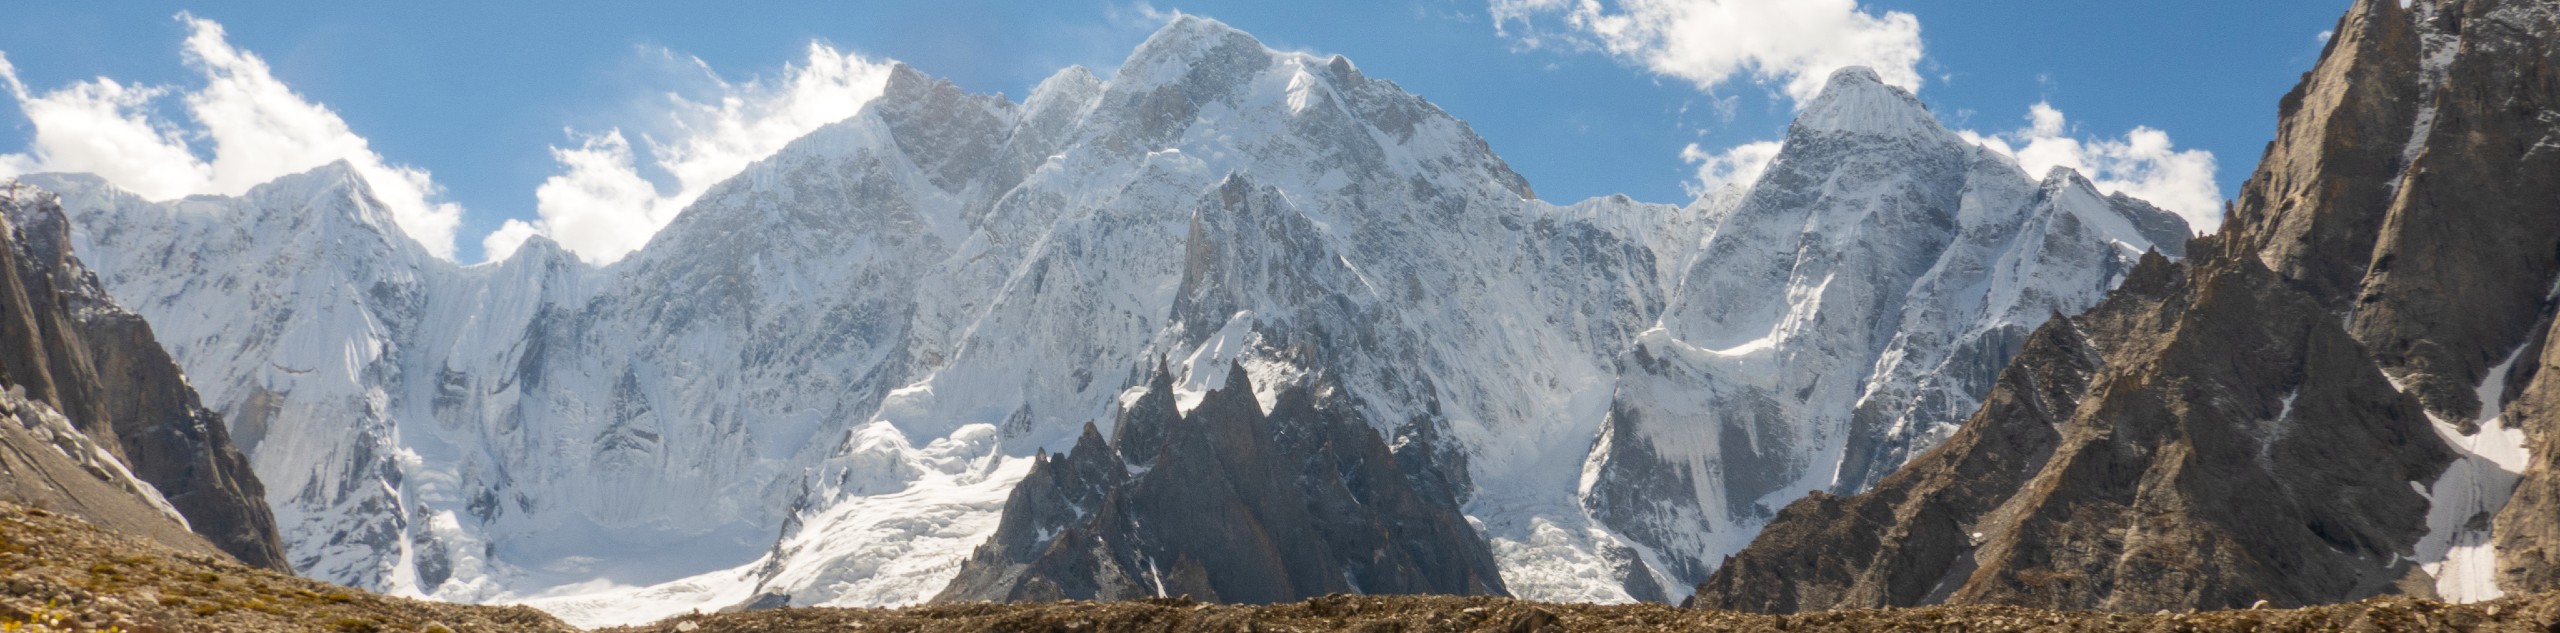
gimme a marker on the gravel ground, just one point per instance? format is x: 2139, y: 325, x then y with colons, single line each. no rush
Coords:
x: 59, y: 573
x: 1421, y: 614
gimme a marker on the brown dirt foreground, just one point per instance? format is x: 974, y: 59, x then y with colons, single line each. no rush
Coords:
x: 1514, y: 616
x: 1418, y: 614
x: 59, y: 573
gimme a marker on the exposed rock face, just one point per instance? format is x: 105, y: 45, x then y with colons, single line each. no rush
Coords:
x: 1226, y: 503
x: 69, y: 354
x: 47, y: 462
x: 2518, y: 90
x: 2307, y: 412
x: 1843, y: 316
x: 820, y: 383
x: 2186, y: 444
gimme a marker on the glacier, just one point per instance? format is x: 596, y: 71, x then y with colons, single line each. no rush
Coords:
x: 817, y: 385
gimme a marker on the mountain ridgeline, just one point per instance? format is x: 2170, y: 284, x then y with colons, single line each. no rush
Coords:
x: 99, y: 422
x: 1841, y: 316
x: 2341, y: 395
x: 1234, y: 322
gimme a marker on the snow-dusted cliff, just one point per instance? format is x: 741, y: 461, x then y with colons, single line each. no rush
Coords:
x: 1848, y: 313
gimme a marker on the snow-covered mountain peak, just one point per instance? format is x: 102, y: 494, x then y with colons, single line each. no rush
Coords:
x: 331, y: 192
x: 2129, y: 222
x: 1342, y: 67
x: 338, y: 169
x: 1857, y: 101
x: 1074, y: 84
x: 538, y: 251
x: 1845, y: 314
x: 2061, y: 177
x: 329, y: 208
x: 1190, y: 46
x: 908, y: 88
x: 857, y: 342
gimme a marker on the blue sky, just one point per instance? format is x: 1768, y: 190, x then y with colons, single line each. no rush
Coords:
x: 479, y: 93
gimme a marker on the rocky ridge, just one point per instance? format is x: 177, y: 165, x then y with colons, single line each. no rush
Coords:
x: 1842, y: 317
x: 107, y: 427
x: 2326, y: 404
x: 1228, y: 503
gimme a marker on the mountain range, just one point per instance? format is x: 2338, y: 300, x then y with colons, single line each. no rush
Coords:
x: 1250, y: 325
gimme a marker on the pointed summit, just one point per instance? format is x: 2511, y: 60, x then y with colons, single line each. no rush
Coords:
x: 338, y: 169
x: 2128, y: 220
x: 337, y: 175
x: 1191, y: 46
x: 1187, y: 28
x: 538, y: 250
x: 336, y: 188
x: 1857, y: 101
x: 2060, y: 177
x: 1075, y: 84
x: 905, y: 79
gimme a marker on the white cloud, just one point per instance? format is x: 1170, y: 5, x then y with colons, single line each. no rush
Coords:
x: 1141, y: 15
x: 2143, y: 164
x: 1793, y: 43
x: 1796, y: 44
x: 602, y: 206
x: 258, y: 130
x: 1737, y: 167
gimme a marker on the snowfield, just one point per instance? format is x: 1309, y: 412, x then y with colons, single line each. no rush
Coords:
x: 818, y: 385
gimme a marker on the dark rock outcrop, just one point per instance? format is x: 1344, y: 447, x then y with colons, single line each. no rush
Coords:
x: 2206, y: 438
x: 66, y: 346
x: 1228, y: 504
x: 2272, y: 419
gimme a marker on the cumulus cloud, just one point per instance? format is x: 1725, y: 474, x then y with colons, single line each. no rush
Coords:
x: 1794, y: 44
x: 2144, y: 163
x: 253, y: 126
x: 1737, y: 167
x: 602, y: 205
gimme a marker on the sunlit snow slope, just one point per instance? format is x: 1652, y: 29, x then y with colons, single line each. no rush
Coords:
x: 819, y: 383
x: 1848, y: 313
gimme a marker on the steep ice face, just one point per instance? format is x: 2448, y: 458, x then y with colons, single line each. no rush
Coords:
x: 942, y: 265
x: 502, y: 430
x: 1846, y: 314
x: 817, y: 385
x: 307, y: 293
x: 1285, y: 214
